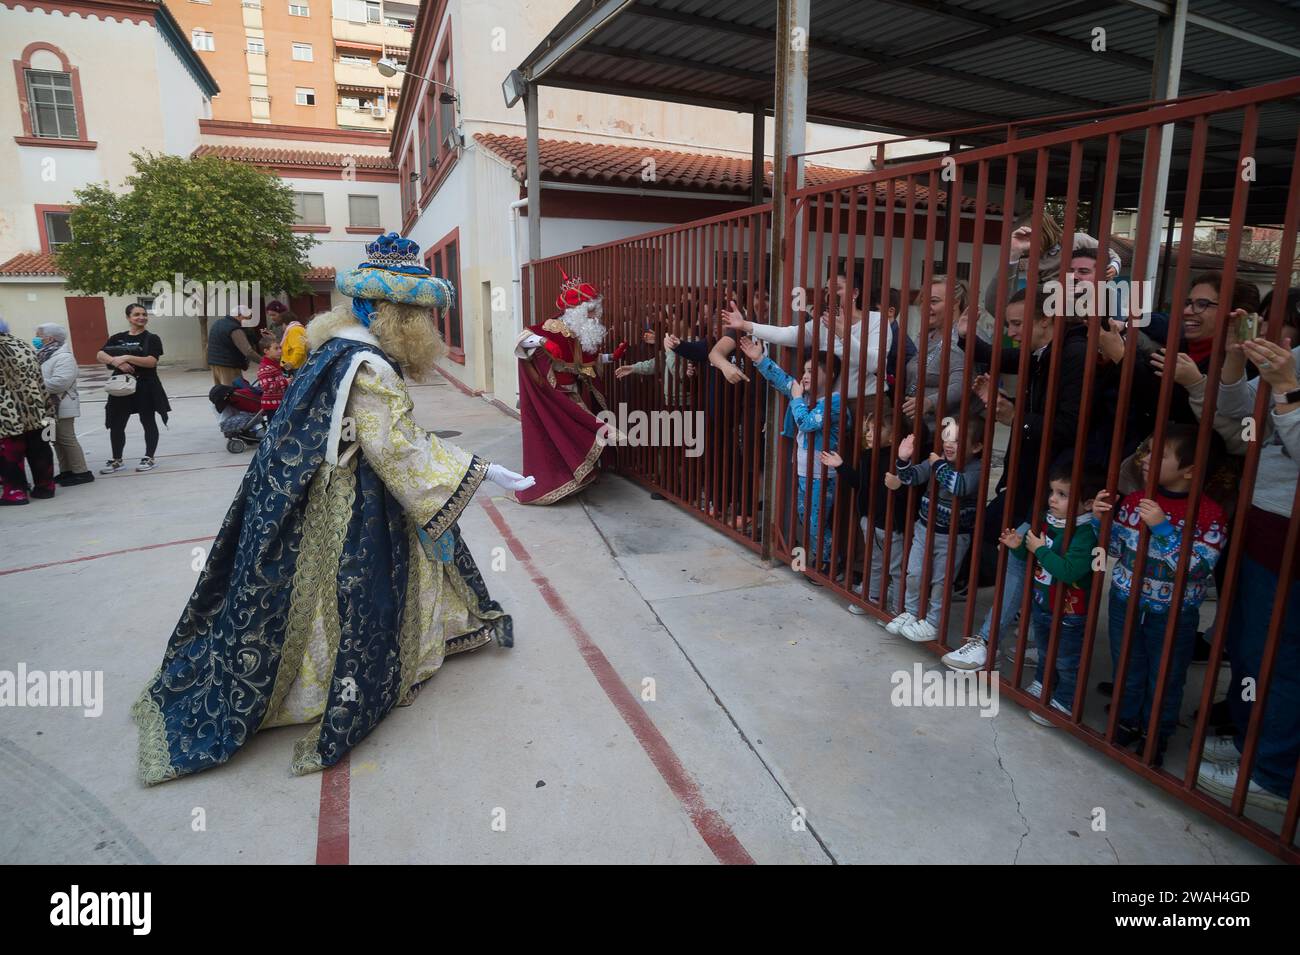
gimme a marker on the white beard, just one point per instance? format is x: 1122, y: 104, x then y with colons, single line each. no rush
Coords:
x: 584, y: 321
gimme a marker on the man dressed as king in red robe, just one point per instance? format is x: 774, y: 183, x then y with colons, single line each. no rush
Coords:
x: 559, y: 394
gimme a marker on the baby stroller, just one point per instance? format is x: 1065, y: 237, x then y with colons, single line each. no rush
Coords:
x: 240, y: 411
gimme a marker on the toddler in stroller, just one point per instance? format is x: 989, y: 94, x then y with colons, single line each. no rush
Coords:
x: 240, y: 410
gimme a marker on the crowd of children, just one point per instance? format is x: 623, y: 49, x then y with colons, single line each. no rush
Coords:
x: 916, y: 495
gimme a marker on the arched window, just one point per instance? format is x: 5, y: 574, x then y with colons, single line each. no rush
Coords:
x: 49, y: 94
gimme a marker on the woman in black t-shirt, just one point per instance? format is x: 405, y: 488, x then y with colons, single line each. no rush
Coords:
x: 134, y: 352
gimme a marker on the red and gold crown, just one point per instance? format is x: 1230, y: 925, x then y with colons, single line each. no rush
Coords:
x: 574, y: 292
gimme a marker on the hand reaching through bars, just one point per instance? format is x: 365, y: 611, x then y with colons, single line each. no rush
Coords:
x: 733, y: 319
x: 831, y: 459
x: 751, y: 349
x: 1101, y: 506
x: 1010, y: 539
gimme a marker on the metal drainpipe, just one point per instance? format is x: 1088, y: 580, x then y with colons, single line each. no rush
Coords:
x: 518, y: 298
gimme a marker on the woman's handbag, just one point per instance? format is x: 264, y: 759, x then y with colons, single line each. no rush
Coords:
x: 120, y: 386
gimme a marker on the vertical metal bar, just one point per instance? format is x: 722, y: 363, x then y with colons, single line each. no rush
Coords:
x: 978, y: 228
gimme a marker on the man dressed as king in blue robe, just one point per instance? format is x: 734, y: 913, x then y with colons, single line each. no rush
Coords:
x: 339, y: 580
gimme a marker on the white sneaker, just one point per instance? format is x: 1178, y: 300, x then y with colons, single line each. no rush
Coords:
x: 1221, y: 749
x: 971, y: 655
x: 1007, y: 650
x: 898, y: 623
x: 1035, y: 689
x: 112, y: 466
x: 921, y: 631
x: 1042, y: 720
x: 146, y: 464
x: 1221, y: 780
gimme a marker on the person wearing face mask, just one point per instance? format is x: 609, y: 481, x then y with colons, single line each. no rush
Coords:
x: 59, y: 372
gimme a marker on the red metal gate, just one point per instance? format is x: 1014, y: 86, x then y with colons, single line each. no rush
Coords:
x: 900, y: 227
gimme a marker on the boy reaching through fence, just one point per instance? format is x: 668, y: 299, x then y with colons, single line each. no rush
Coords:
x: 956, y: 492
x: 1166, y: 514
x: 1058, y: 566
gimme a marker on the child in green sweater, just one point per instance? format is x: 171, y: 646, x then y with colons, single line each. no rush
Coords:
x: 1058, y: 566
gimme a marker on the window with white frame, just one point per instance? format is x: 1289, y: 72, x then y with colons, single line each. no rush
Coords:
x: 302, y: 51
x: 304, y: 96
x: 256, y: 45
x: 351, y: 59
x: 203, y: 40
x: 309, y: 208
x: 357, y: 11
x: 299, y: 10
x: 58, y: 228
x: 51, y: 104
x: 363, y: 212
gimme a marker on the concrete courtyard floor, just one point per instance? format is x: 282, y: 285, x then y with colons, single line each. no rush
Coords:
x: 771, y: 703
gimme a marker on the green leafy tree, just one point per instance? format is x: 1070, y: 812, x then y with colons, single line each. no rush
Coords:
x: 208, y: 219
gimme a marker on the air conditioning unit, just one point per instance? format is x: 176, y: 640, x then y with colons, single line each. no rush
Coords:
x: 377, y: 112
x: 453, y: 139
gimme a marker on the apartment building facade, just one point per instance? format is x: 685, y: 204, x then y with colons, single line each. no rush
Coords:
x: 458, y: 149
x: 301, y: 63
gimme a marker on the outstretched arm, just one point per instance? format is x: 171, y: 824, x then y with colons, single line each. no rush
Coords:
x: 433, y: 480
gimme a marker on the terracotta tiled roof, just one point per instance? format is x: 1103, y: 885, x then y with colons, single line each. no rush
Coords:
x: 31, y: 263
x: 275, y: 156
x: 319, y: 273
x: 603, y: 164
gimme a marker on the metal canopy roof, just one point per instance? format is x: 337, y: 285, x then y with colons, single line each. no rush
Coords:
x: 924, y: 66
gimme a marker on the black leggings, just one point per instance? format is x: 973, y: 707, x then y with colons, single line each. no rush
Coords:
x: 117, y: 433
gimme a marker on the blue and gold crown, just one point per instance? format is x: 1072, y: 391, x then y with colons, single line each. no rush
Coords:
x: 393, y: 250
x: 393, y: 272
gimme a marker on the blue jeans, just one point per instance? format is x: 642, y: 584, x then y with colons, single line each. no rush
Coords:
x: 1144, y: 663
x: 1013, y: 591
x: 1279, y: 732
x: 1069, y: 648
x: 815, y: 530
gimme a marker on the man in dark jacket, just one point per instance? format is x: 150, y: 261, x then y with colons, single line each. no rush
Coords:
x: 1032, y: 329
x: 229, y: 351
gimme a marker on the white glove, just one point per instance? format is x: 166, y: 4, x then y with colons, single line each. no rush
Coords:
x: 509, y: 480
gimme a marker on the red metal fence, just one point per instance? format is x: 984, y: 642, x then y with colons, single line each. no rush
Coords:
x: 897, y: 228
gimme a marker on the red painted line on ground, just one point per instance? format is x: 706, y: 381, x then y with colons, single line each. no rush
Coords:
x: 332, y: 823
x: 711, y: 826
x: 111, y: 553
x: 502, y: 406
x: 472, y: 392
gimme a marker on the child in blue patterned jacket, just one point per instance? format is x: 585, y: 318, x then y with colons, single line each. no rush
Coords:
x: 805, y: 419
x: 957, y: 491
